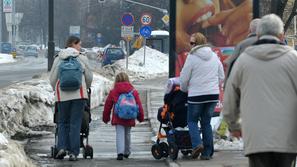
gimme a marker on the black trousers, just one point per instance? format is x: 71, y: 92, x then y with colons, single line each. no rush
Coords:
x: 272, y: 159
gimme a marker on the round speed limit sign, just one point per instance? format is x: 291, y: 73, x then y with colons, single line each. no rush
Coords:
x: 146, y: 19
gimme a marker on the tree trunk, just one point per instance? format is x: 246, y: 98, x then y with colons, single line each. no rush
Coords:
x: 265, y: 7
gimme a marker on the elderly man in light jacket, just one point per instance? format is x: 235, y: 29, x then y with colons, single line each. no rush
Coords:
x: 262, y: 91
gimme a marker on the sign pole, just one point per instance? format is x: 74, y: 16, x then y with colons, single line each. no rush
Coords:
x: 1, y: 8
x: 128, y: 53
x: 144, y: 48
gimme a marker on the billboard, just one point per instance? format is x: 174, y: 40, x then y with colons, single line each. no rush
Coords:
x: 224, y: 23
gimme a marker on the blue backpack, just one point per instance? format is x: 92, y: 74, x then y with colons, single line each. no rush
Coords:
x: 126, y: 107
x: 70, y: 74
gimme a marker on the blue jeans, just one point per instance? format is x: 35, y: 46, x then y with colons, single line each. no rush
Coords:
x: 203, y: 113
x: 70, y: 117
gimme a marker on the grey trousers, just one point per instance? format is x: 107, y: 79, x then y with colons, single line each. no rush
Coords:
x: 123, y: 136
x: 272, y: 159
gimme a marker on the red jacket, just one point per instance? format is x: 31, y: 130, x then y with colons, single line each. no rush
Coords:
x: 119, y: 88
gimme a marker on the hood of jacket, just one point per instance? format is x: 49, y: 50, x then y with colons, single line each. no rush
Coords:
x: 123, y: 87
x: 269, y: 50
x: 204, y: 52
x: 65, y: 53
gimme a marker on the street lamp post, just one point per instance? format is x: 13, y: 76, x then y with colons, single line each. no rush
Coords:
x: 51, y: 43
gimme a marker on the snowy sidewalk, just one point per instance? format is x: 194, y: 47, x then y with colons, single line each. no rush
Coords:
x: 221, y: 158
x: 6, y: 58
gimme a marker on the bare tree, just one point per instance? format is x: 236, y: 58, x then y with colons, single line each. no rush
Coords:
x: 282, y: 8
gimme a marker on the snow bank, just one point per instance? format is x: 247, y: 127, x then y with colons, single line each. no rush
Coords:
x: 12, y: 154
x: 234, y: 145
x: 100, y: 88
x: 156, y: 64
x: 26, y: 106
x: 6, y: 58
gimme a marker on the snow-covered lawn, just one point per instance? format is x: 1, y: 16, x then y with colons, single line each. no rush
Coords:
x: 6, y: 58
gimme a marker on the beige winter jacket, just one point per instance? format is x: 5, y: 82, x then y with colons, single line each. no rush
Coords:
x: 86, y: 78
x: 262, y: 90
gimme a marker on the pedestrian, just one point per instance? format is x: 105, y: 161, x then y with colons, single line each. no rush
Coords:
x: 250, y: 40
x: 114, y: 104
x: 70, y: 88
x: 261, y: 98
x: 200, y: 77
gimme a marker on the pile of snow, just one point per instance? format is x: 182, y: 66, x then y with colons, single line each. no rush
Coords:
x: 156, y: 64
x: 12, y: 154
x: 6, y: 58
x: 234, y: 145
x: 29, y: 105
x: 100, y: 88
x: 24, y: 106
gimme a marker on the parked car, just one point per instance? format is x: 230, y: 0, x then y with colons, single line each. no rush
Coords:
x: 57, y: 50
x: 6, y: 47
x: 31, y: 51
x: 110, y: 55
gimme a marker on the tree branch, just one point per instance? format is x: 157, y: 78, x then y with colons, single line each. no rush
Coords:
x: 293, y: 13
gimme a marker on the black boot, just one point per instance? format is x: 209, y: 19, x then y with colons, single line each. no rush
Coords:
x: 120, y: 157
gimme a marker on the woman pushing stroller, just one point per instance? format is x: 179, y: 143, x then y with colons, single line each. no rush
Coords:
x: 201, y: 77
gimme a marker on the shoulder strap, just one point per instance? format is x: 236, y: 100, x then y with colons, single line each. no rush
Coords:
x: 131, y: 92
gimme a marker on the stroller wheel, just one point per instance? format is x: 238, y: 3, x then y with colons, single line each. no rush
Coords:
x: 54, y: 151
x: 88, y: 152
x: 185, y: 153
x: 156, y: 151
x: 173, y: 151
x: 164, y: 149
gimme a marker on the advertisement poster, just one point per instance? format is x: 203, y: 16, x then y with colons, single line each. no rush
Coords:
x: 224, y: 23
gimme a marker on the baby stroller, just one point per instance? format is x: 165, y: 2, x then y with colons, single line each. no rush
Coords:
x: 173, y: 120
x: 84, y: 131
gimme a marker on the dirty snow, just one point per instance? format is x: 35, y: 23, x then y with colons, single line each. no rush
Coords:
x: 26, y: 106
x: 6, y: 58
x: 12, y: 154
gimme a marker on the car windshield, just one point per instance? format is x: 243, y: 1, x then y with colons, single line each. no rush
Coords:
x: 114, y: 51
x: 31, y: 49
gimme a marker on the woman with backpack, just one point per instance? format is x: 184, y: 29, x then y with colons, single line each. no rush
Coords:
x: 124, y: 103
x: 70, y: 78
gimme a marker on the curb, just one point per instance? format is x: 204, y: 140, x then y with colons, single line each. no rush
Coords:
x: 171, y: 163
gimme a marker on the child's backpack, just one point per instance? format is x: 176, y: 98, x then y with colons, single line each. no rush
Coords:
x: 126, y: 107
x: 70, y: 74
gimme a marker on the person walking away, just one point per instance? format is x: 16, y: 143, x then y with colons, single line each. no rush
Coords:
x: 200, y: 77
x: 124, y: 103
x: 70, y: 77
x: 261, y: 98
x: 250, y: 40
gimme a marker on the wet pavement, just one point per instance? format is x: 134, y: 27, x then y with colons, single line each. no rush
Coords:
x: 102, y: 139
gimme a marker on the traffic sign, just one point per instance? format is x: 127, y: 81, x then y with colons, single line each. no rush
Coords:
x: 127, y: 31
x: 145, y: 31
x: 146, y: 19
x: 165, y: 19
x: 127, y: 19
x: 7, y: 6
